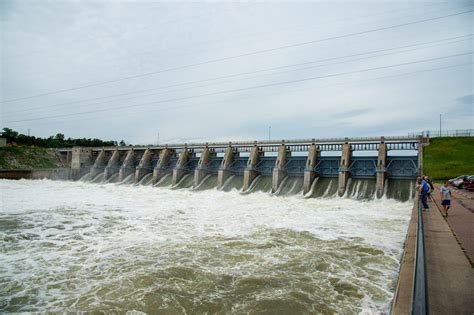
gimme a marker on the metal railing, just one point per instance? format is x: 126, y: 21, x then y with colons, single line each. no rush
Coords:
x: 273, y: 145
x: 444, y: 133
x: 419, y: 299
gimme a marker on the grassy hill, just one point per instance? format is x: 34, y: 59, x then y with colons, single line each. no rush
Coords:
x: 446, y: 158
x: 28, y: 157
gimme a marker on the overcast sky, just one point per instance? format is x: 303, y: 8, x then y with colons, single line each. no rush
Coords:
x: 210, y: 71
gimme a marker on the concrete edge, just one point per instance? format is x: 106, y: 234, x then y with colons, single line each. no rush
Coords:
x: 402, y: 299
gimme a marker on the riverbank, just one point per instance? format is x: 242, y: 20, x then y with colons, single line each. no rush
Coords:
x: 29, y: 158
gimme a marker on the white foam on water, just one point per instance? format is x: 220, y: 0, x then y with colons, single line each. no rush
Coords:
x: 78, y: 246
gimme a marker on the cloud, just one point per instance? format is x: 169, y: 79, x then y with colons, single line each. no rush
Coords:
x: 352, y: 113
x: 466, y: 100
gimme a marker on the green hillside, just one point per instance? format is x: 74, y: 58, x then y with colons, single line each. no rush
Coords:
x: 446, y: 158
x: 26, y: 157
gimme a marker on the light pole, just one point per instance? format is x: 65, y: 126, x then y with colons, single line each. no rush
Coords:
x: 269, y: 133
x: 440, y: 125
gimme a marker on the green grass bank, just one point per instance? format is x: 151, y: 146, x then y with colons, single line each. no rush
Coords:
x: 28, y: 157
x: 450, y: 157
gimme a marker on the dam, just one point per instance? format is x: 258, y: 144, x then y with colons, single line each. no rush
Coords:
x: 311, y: 167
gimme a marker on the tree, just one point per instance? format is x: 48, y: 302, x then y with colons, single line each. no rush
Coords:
x: 9, y: 134
x: 60, y: 137
x: 122, y: 143
x: 57, y: 141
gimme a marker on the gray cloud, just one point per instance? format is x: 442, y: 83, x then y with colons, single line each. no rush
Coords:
x: 352, y: 113
x: 466, y: 99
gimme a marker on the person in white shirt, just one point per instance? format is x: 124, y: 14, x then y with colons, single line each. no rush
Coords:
x: 445, y: 197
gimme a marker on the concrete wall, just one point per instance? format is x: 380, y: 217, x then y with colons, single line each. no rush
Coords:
x: 113, y: 165
x: 81, y: 158
x: 200, y: 172
x: 128, y: 166
x: 381, y: 171
x: 344, y: 168
x: 99, y: 164
x: 180, y: 169
x: 309, y: 172
x: 279, y: 172
x: 144, y: 166
x: 160, y: 169
x: 224, y: 172
x: 250, y: 172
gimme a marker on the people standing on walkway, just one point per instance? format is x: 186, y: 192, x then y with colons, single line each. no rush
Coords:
x: 429, y: 181
x: 445, y: 197
x: 423, y: 189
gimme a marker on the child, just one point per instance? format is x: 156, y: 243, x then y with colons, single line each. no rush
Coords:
x: 445, y: 197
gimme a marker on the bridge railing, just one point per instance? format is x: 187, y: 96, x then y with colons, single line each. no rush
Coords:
x: 328, y: 144
x: 419, y: 300
x: 444, y: 133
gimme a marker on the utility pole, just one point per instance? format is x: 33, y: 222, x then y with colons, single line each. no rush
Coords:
x: 28, y: 132
x: 158, y: 139
x: 440, y: 125
x: 269, y: 133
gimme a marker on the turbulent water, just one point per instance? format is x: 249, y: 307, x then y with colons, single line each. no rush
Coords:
x: 77, y: 246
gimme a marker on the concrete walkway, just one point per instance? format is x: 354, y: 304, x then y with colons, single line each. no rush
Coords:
x: 460, y: 218
x: 448, y: 248
x: 450, y: 276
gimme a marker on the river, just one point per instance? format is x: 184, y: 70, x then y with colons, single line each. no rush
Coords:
x: 83, y: 247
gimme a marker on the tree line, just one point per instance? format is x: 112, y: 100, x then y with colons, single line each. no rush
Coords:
x: 57, y: 141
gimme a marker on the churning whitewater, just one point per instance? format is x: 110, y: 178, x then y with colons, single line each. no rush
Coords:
x: 76, y: 246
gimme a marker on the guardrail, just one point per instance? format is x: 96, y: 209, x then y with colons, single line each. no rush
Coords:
x: 419, y: 299
x: 444, y: 133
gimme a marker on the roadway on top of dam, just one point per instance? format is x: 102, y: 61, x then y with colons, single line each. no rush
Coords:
x: 327, y: 144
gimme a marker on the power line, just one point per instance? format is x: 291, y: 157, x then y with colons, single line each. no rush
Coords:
x: 162, y: 109
x: 236, y: 56
x: 463, y: 38
x: 244, y: 89
x: 328, y: 22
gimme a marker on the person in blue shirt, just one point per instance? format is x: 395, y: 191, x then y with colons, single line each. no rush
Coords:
x: 423, y: 189
x: 429, y: 182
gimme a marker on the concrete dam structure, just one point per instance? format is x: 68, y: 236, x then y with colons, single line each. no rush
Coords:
x: 312, y: 167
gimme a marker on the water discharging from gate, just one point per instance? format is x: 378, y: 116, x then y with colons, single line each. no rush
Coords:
x: 77, y: 246
x: 146, y: 180
x: 208, y: 182
x: 234, y: 182
x: 358, y: 189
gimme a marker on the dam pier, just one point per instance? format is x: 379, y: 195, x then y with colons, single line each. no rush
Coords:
x: 375, y: 159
